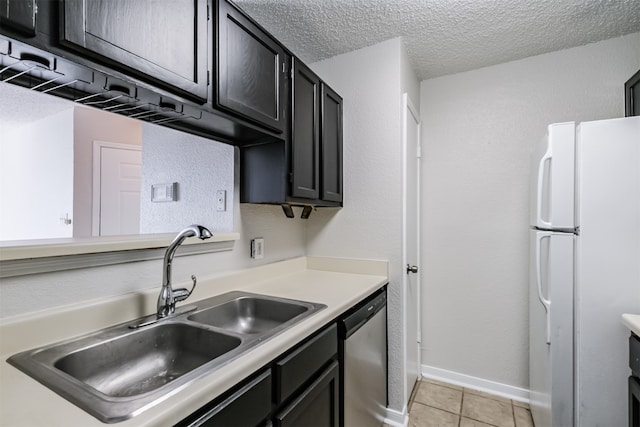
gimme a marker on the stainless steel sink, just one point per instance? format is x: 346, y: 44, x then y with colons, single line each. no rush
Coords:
x: 249, y: 314
x: 145, y: 360
x: 118, y: 372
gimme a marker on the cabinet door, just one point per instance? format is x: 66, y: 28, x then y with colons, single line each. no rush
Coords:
x: 247, y: 407
x: 632, y: 95
x: 317, y: 406
x: 305, y: 136
x: 302, y: 364
x: 331, y: 144
x: 164, y: 41
x: 251, y: 69
x: 19, y: 15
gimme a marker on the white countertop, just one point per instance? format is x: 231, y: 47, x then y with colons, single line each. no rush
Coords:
x: 632, y: 321
x: 338, y: 283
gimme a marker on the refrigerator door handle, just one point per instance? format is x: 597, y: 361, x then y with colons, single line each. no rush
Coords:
x: 545, y: 302
x: 545, y: 158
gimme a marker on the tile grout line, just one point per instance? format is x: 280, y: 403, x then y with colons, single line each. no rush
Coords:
x: 461, y: 403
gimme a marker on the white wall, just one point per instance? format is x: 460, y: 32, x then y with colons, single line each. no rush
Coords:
x: 91, y: 124
x: 370, y: 81
x: 478, y: 131
x: 35, y: 197
x: 200, y: 166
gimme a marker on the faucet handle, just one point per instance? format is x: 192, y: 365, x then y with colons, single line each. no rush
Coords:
x: 182, y: 294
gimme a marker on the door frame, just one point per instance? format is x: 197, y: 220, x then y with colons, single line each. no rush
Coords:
x: 97, y: 178
x: 409, y: 108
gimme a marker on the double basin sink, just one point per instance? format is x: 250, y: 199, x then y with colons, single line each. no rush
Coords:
x: 117, y: 372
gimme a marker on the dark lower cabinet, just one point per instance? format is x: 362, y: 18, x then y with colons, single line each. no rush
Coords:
x: 634, y: 381
x: 317, y: 406
x: 248, y: 406
x: 251, y: 70
x: 164, y: 41
x: 634, y: 402
x: 300, y: 388
x: 298, y: 367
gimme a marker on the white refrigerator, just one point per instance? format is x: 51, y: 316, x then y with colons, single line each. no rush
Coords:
x: 584, y: 271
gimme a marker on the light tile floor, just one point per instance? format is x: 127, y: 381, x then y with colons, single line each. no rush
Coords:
x: 438, y: 404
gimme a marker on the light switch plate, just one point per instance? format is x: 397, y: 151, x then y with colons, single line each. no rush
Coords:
x: 164, y: 192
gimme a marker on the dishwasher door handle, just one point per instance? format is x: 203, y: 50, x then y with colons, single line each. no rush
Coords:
x: 354, y: 321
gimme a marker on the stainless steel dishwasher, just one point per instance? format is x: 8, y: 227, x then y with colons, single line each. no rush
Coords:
x: 363, y: 367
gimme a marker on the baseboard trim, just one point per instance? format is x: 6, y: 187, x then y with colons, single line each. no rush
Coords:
x: 396, y: 418
x: 463, y: 380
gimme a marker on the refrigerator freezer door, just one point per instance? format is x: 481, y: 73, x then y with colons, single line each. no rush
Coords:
x: 608, y: 266
x: 551, y: 290
x: 553, y: 183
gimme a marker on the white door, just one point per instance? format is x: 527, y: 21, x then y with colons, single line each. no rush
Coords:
x: 411, y: 243
x: 117, y: 178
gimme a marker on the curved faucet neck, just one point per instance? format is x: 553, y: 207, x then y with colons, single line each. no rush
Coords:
x: 166, y: 301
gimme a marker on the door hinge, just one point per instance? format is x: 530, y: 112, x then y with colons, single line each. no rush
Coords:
x: 208, y: 77
x: 419, y: 151
x: 208, y: 14
x: 291, y: 177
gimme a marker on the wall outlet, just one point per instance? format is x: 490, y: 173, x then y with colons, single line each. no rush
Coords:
x: 221, y: 200
x: 257, y: 248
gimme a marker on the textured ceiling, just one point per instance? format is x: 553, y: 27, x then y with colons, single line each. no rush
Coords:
x: 444, y: 36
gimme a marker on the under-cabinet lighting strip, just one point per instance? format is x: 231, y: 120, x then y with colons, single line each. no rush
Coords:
x: 59, y: 86
x: 17, y: 75
x: 88, y: 97
x: 116, y: 108
x: 47, y: 82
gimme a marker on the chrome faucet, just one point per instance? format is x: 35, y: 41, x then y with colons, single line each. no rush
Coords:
x: 168, y: 296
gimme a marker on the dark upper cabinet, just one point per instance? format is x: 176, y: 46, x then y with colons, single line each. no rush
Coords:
x: 632, y: 95
x: 305, y: 133
x: 316, y: 138
x: 331, y: 137
x: 19, y: 15
x: 251, y: 69
x: 306, y: 169
x: 164, y: 41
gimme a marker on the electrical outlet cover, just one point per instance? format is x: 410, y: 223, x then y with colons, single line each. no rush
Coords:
x: 257, y: 248
x: 221, y: 200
